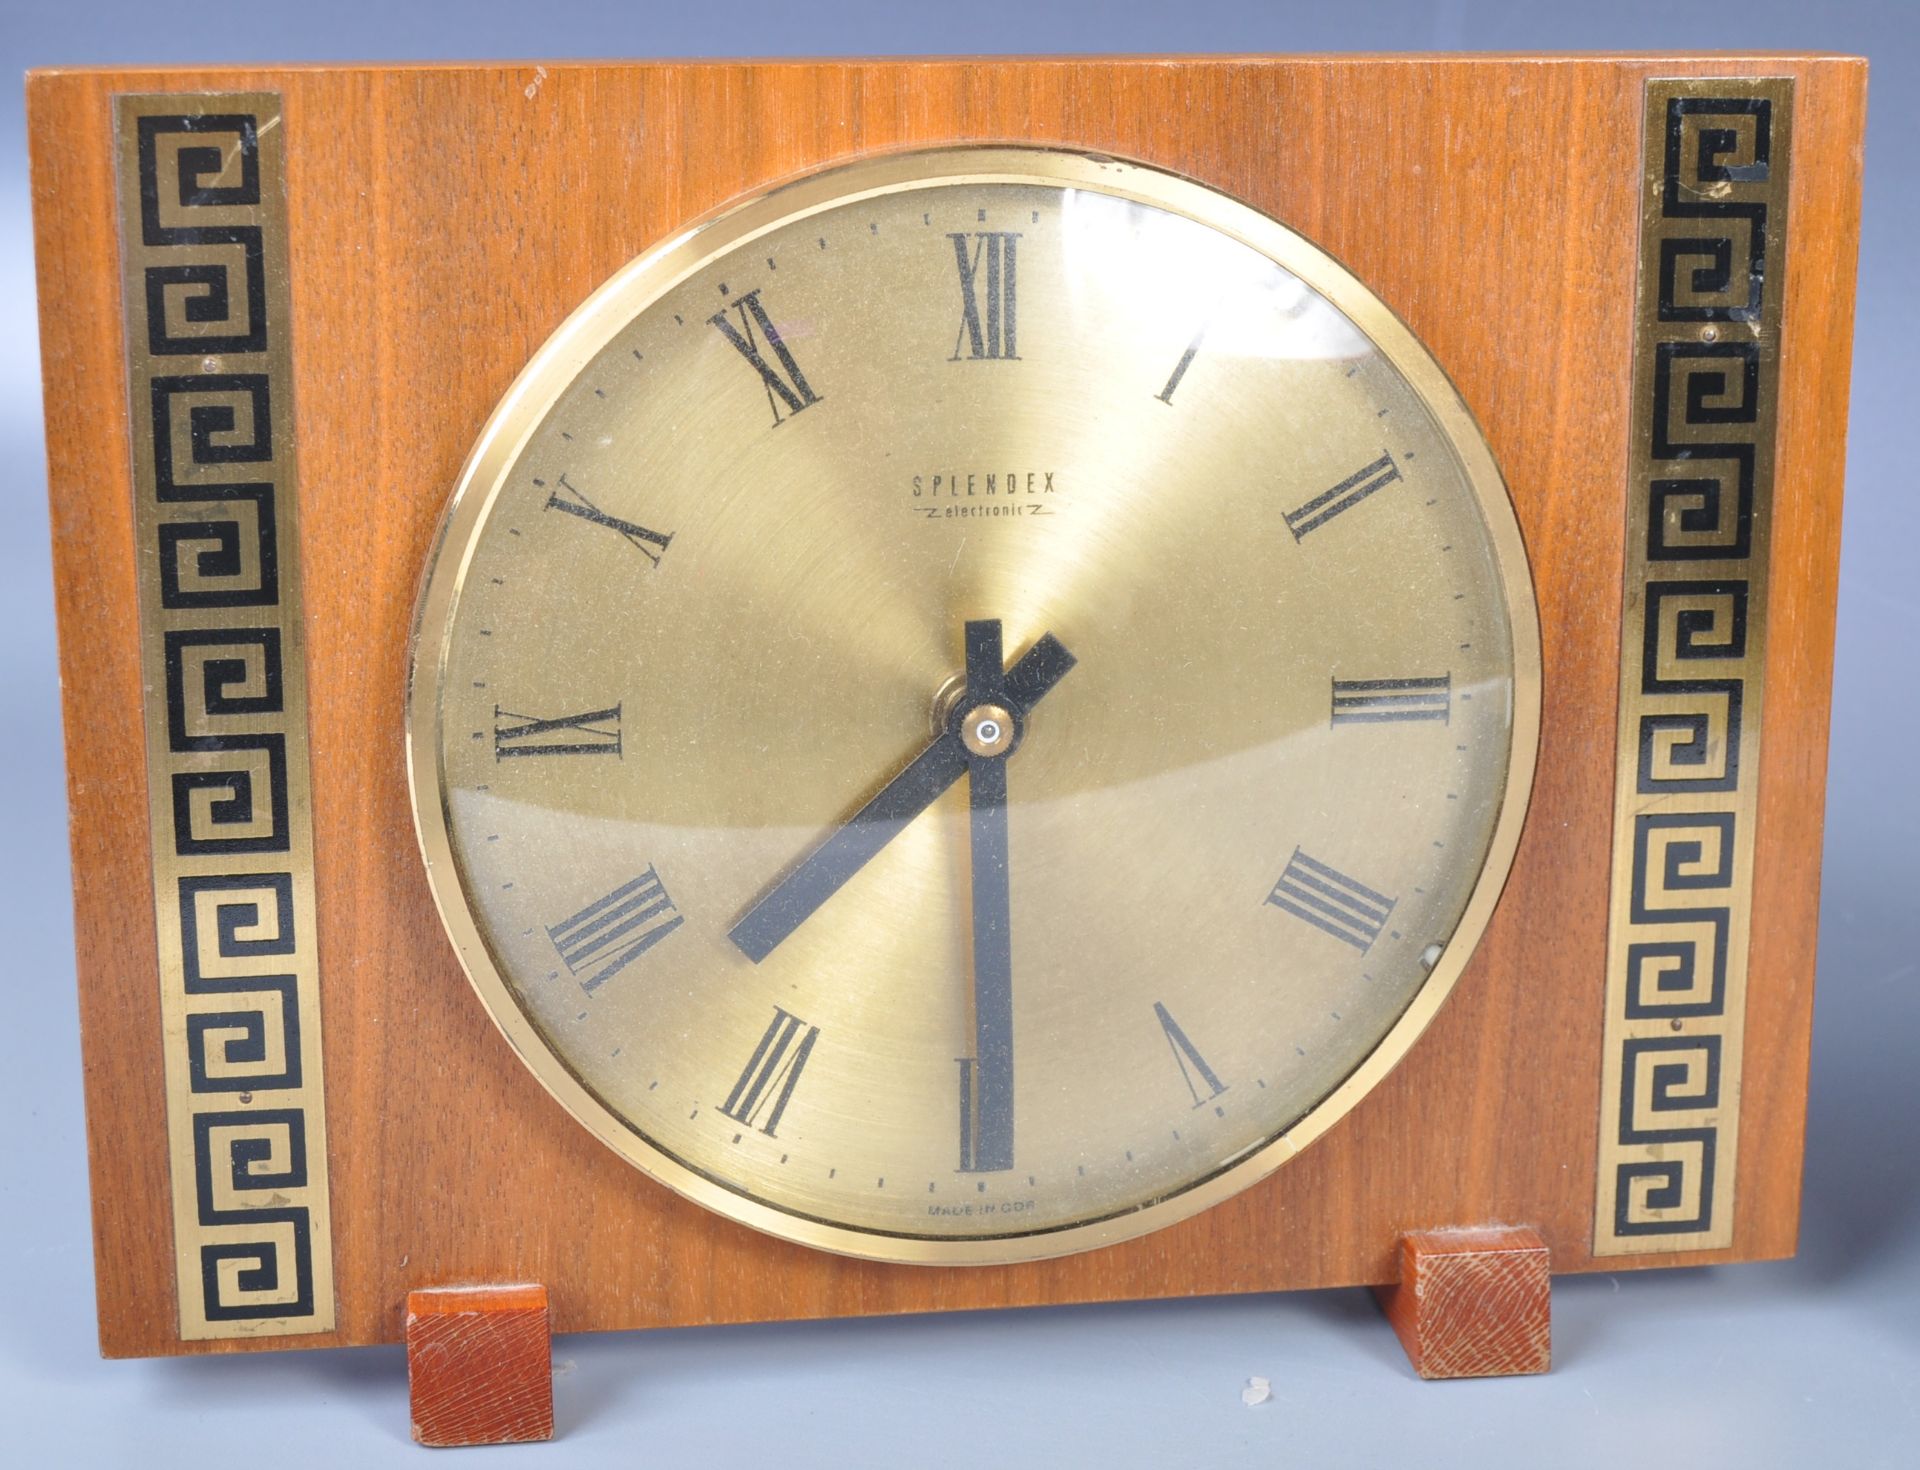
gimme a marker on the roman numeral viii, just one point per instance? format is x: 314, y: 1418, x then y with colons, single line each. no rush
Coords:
x: 612, y: 932
x: 650, y: 544
x: 756, y: 327
x: 597, y: 732
x: 989, y: 333
x: 767, y: 1081
x: 1331, y: 901
x: 1392, y: 701
x: 1194, y: 1070
x: 1342, y: 497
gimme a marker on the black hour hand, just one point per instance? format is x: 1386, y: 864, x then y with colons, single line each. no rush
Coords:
x: 822, y: 873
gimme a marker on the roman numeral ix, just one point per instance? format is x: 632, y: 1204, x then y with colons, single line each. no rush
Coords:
x: 1194, y: 1070
x: 766, y: 1083
x: 597, y: 732
x: 1392, y: 701
x: 650, y: 544
x: 989, y: 334
x: 755, y: 327
x: 612, y: 932
x: 1342, y: 497
x: 1331, y: 901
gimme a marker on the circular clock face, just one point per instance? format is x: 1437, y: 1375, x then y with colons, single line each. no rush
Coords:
x: 968, y: 707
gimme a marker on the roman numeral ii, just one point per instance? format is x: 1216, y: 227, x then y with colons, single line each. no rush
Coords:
x: 1342, y: 497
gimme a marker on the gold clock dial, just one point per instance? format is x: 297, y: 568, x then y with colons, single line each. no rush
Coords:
x: 970, y: 706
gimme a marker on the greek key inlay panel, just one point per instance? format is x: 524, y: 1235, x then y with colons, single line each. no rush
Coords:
x: 1692, y: 655
x: 204, y: 261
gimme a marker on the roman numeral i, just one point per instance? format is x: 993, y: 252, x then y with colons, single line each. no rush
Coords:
x: 988, y: 333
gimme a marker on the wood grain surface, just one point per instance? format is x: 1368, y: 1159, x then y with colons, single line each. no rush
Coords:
x: 479, y: 1365
x: 444, y: 220
x: 1473, y: 1303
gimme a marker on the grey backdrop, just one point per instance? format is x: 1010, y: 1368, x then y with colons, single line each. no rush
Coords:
x: 1813, y: 1361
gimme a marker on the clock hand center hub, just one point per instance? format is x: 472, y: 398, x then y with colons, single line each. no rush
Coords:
x: 987, y: 730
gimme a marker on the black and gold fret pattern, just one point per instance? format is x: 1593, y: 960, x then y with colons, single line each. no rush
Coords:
x: 1693, y: 644
x: 203, y: 242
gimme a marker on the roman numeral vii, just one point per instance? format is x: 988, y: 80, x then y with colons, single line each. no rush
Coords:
x: 766, y: 1083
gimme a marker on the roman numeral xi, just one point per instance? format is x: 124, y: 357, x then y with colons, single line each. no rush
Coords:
x: 1331, y: 901
x: 784, y: 383
x: 612, y: 932
x: 987, y: 307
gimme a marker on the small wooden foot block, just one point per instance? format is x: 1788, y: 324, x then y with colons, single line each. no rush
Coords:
x: 480, y: 1365
x: 1472, y: 1303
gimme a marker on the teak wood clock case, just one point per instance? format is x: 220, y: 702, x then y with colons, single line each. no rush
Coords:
x: 1638, y: 272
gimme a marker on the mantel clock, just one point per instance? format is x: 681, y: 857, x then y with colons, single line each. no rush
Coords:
x: 772, y: 690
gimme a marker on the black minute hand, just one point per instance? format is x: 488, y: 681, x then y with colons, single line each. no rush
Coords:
x: 822, y: 873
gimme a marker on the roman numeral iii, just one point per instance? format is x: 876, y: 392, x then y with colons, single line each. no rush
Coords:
x: 1194, y: 1070
x: 612, y: 932
x: 756, y: 327
x: 1331, y: 901
x: 1342, y: 497
x: 650, y: 544
x: 989, y: 332
x: 597, y: 732
x: 767, y: 1081
x: 1392, y: 701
